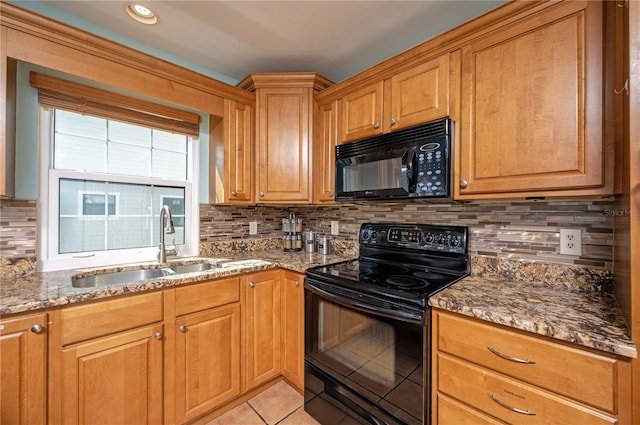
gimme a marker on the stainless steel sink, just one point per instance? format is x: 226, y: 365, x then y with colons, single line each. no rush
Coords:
x: 120, y: 277
x: 190, y: 268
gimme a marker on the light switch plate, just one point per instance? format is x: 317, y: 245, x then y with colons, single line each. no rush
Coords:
x: 253, y: 227
x: 335, y: 228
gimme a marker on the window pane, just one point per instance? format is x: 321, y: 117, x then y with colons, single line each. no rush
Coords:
x: 132, y: 219
x: 129, y: 160
x: 169, y: 141
x: 169, y: 165
x: 130, y: 134
x: 79, y: 153
x: 85, y: 126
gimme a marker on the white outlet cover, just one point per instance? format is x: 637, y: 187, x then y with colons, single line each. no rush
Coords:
x: 570, y: 241
x: 335, y: 228
x: 253, y: 227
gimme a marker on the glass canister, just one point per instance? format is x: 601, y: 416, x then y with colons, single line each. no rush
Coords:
x: 323, y: 244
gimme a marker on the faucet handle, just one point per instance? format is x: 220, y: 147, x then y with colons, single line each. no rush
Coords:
x: 172, y: 250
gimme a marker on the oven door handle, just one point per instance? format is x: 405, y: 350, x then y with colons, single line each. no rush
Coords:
x: 404, y: 315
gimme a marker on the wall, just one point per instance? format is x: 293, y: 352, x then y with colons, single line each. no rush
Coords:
x: 517, y: 230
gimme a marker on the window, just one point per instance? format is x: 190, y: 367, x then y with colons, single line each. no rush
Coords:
x: 106, y: 182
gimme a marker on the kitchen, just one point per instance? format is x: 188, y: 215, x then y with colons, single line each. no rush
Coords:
x: 502, y: 231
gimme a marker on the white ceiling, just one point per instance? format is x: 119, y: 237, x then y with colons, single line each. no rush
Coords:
x: 337, y: 39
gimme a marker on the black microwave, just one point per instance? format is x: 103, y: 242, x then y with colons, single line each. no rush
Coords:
x: 408, y: 163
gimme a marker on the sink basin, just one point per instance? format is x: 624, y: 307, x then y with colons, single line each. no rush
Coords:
x: 120, y: 277
x: 190, y: 268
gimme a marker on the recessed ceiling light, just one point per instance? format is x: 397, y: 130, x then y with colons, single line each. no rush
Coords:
x: 142, y: 13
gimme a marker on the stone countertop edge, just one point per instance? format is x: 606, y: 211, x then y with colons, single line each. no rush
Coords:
x: 35, y: 291
x: 586, y: 318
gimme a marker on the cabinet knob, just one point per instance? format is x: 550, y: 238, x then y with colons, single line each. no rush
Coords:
x: 297, y: 283
x: 234, y: 193
x: 182, y: 328
x: 252, y: 284
x: 37, y: 329
x: 376, y: 125
x: 158, y: 335
x: 463, y: 183
x: 330, y: 194
x: 261, y: 193
x: 392, y: 122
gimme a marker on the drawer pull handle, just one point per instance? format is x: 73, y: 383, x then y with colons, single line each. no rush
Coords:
x: 506, y: 406
x: 513, y: 359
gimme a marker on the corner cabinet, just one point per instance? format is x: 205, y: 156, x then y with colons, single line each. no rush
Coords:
x: 231, y: 159
x: 284, y: 121
x: 486, y: 374
x: 23, y: 359
x: 412, y: 96
x: 532, y: 107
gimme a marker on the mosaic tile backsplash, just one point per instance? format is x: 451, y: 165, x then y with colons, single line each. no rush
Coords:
x: 502, y: 230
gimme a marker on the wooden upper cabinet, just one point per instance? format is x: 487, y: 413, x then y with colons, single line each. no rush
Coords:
x: 285, y: 116
x: 412, y: 96
x: 7, y: 119
x: 324, y: 153
x: 231, y: 164
x: 531, y: 109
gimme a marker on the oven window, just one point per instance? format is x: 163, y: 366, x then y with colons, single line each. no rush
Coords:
x: 378, y: 358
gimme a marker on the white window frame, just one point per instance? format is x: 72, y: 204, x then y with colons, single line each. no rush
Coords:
x: 48, y: 209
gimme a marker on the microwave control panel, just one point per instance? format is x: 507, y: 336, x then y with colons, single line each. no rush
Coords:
x: 432, y: 170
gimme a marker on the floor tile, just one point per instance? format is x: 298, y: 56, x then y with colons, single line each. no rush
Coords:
x: 241, y: 415
x: 276, y: 402
x: 299, y: 417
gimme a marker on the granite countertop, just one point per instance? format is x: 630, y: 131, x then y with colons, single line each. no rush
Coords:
x: 31, y: 291
x: 587, y: 318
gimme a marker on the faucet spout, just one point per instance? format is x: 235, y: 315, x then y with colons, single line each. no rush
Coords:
x: 165, y: 212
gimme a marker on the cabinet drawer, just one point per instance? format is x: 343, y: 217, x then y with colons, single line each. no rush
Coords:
x: 582, y: 375
x: 207, y: 295
x: 452, y: 412
x: 107, y: 317
x: 500, y: 396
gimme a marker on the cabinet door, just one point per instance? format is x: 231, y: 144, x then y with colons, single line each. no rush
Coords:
x: 207, y: 360
x: 23, y: 343
x: 114, y: 380
x: 361, y: 113
x: 324, y: 154
x: 532, y: 106
x: 261, y: 304
x: 238, y: 134
x: 7, y: 118
x: 293, y: 328
x: 419, y: 94
x: 284, y: 128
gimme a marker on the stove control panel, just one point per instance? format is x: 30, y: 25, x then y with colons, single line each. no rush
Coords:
x: 422, y: 237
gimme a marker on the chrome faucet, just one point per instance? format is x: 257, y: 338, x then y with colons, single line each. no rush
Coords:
x: 165, y: 211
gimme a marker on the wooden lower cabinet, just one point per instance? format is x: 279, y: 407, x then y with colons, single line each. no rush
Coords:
x: 207, y: 348
x: 23, y: 359
x: 292, y: 331
x: 261, y: 327
x: 114, y: 380
x: 490, y: 372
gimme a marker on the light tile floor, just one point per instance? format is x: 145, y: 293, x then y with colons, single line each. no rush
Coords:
x: 279, y: 404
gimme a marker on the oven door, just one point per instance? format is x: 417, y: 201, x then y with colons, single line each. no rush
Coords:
x: 363, y: 363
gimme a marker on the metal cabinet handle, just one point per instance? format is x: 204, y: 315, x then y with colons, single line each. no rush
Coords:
x: 158, y: 335
x: 297, y: 283
x: 376, y: 125
x: 252, y: 284
x: 624, y: 89
x: 182, y: 328
x: 513, y: 409
x: 330, y: 194
x: 37, y: 329
x: 510, y: 358
x: 463, y: 183
x: 234, y: 193
x: 392, y: 122
x: 261, y: 193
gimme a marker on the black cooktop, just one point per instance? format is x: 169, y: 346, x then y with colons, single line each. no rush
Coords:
x: 402, y: 262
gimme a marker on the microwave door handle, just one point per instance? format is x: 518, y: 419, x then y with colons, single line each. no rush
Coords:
x: 412, y: 169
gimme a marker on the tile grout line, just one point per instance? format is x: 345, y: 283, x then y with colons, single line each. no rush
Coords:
x: 257, y: 413
x: 289, y: 414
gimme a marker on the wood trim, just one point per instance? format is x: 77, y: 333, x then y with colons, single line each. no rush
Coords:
x: 285, y: 79
x: 43, y: 41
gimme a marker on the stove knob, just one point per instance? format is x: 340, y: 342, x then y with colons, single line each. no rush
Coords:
x: 441, y: 238
x: 455, y: 240
x: 365, y: 235
x: 374, y: 235
x: 429, y: 238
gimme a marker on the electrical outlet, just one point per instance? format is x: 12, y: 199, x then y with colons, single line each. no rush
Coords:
x: 335, y: 229
x: 570, y: 241
x: 253, y: 227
